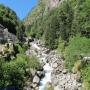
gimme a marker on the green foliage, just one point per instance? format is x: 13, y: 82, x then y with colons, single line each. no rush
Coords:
x: 65, y: 17
x: 58, y: 24
x: 85, y: 85
x: 76, y: 46
x: 70, y: 18
x: 81, y: 21
x: 85, y: 72
x: 68, y: 28
x: 33, y: 62
x: 61, y: 45
x: 37, y: 12
x: 13, y: 72
x: 19, y: 49
x: 9, y: 19
x: 51, y: 32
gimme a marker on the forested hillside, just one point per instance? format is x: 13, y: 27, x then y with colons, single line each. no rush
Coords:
x: 41, y: 9
x: 9, y: 19
x: 67, y: 29
x: 53, y: 50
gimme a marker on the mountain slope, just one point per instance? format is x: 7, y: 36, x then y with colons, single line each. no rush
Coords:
x: 9, y: 19
x: 40, y: 9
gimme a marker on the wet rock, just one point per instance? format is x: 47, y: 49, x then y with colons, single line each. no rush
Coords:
x: 41, y: 74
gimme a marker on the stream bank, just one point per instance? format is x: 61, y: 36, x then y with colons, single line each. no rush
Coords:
x: 54, y: 70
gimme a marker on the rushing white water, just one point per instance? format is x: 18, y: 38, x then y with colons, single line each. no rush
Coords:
x: 35, y: 46
x: 48, y: 69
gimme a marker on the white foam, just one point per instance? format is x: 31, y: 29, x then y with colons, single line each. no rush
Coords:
x: 48, y: 69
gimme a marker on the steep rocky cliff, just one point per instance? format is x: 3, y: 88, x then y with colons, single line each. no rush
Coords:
x: 40, y: 9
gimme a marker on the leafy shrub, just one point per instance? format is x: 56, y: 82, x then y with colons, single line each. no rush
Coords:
x: 77, y: 66
x: 76, y: 46
x: 14, y: 73
x: 61, y: 45
x: 85, y: 74
x: 33, y: 62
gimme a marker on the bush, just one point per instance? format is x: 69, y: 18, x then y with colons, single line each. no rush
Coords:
x: 85, y: 85
x: 14, y: 73
x: 76, y: 46
x: 85, y: 73
x: 61, y: 45
x: 33, y: 62
x: 77, y: 66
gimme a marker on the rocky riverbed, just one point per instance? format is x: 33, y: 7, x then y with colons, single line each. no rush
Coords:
x: 55, y: 73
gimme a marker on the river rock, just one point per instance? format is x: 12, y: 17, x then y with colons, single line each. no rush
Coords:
x: 36, y: 79
x: 47, y: 51
x: 33, y: 72
x: 37, y: 88
x: 34, y: 85
x: 41, y: 74
x: 54, y: 65
x: 27, y: 88
x: 64, y: 71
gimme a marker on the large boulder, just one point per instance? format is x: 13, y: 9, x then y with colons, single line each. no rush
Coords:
x: 64, y: 71
x: 41, y: 74
x: 55, y: 65
x: 36, y: 79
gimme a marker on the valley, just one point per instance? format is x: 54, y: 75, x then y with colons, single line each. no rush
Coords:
x: 49, y: 49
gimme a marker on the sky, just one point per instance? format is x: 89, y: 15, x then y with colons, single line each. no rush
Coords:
x: 21, y: 7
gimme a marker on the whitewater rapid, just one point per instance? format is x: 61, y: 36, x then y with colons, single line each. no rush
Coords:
x: 47, y: 67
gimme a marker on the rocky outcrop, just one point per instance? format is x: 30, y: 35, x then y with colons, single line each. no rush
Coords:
x: 5, y: 35
x: 50, y: 4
